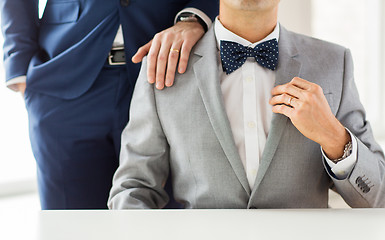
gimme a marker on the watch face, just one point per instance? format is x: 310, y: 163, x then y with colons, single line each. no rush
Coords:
x: 188, y: 19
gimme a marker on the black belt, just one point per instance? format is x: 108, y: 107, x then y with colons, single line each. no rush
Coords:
x: 117, y: 56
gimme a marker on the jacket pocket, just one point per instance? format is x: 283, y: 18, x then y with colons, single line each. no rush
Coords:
x: 61, y: 12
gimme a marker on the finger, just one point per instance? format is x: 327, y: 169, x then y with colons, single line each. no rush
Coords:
x: 142, y: 51
x: 184, y: 56
x: 283, y: 99
x: 301, y: 83
x: 152, y: 60
x: 22, y: 88
x: 283, y: 109
x: 293, y: 102
x: 288, y: 89
x: 172, y: 63
x: 161, y: 64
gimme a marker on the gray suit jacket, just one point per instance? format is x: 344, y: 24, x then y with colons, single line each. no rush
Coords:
x: 184, y: 131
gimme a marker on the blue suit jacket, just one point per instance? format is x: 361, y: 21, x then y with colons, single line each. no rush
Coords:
x: 62, y: 53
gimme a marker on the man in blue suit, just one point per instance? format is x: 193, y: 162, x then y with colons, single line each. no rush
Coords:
x: 78, y: 87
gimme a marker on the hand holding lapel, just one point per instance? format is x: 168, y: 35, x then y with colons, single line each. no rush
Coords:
x: 306, y: 106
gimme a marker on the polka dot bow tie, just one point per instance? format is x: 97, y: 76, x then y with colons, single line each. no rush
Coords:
x: 234, y: 55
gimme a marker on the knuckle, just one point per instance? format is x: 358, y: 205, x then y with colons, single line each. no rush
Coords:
x: 158, y: 36
x: 160, y: 72
x: 150, y: 73
x: 300, y: 105
x: 171, y: 68
x: 300, y: 108
x: 285, y: 88
x: 168, y: 37
x: 159, y: 77
x: 141, y: 49
x: 314, y: 87
x: 313, y: 98
x: 152, y: 55
x: 173, y: 56
x: 318, y: 89
x: 162, y: 58
x: 184, y: 56
x: 170, y: 73
x: 308, y: 95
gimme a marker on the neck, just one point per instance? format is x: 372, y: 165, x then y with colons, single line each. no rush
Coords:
x: 250, y: 25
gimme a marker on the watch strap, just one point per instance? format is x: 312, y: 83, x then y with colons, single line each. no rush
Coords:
x: 347, y: 151
x: 191, y: 17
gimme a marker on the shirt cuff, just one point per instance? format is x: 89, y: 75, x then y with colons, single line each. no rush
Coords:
x: 197, y: 12
x: 12, y: 84
x: 343, y: 168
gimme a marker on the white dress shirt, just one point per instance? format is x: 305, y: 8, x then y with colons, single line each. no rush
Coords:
x: 246, y: 93
x: 118, y: 42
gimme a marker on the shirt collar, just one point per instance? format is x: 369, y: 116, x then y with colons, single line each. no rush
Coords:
x: 222, y: 33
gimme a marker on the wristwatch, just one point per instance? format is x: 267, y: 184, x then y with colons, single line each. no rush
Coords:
x: 347, y: 151
x: 191, y: 17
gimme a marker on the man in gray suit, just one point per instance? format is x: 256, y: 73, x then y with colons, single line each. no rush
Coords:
x: 243, y: 129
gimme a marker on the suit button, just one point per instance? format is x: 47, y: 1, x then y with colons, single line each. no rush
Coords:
x: 124, y: 3
x: 359, y: 180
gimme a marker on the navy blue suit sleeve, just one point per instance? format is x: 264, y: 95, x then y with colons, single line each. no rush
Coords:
x: 210, y: 7
x: 19, y: 24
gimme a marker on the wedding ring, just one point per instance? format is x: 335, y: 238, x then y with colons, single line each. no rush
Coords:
x: 290, y: 100
x: 174, y: 50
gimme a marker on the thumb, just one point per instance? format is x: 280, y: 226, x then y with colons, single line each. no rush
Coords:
x: 142, y: 51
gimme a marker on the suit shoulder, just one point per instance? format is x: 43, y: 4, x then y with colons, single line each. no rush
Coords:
x: 306, y: 43
x: 315, y: 52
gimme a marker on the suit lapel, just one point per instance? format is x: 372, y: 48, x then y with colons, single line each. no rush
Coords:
x: 206, y: 72
x: 288, y: 68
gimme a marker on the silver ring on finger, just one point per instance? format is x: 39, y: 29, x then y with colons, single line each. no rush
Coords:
x: 290, y: 99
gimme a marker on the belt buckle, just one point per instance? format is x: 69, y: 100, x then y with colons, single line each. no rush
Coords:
x: 111, y: 55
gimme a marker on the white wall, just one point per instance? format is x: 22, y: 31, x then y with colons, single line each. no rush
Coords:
x: 295, y: 15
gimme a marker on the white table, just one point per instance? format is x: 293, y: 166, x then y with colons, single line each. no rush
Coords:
x: 341, y: 224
